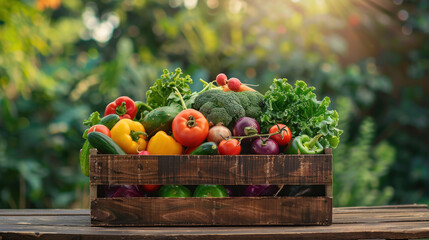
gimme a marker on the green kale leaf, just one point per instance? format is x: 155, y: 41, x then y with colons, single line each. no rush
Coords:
x: 162, y: 92
x: 299, y: 109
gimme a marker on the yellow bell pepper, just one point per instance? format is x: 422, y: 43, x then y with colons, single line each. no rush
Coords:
x: 163, y: 144
x: 129, y: 135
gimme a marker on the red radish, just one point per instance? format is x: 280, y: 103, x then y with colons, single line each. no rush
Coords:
x: 234, y: 84
x: 221, y: 79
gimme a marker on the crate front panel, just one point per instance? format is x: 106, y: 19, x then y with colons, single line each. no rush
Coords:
x: 211, y: 211
x: 211, y: 169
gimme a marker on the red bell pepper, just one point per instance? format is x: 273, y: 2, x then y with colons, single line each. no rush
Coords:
x: 125, y: 107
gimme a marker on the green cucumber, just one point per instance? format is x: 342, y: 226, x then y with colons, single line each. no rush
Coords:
x: 104, y: 144
x: 159, y: 119
x: 84, y: 158
x: 109, y: 121
x: 208, y: 148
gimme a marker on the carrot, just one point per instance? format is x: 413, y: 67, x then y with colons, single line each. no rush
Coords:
x: 225, y: 88
x: 242, y: 88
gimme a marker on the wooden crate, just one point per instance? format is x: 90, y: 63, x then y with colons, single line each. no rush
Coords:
x: 223, y: 170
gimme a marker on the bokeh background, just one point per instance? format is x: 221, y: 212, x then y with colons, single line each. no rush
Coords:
x: 60, y: 60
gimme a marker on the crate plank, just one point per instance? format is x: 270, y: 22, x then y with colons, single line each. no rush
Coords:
x: 71, y: 224
x: 224, y: 170
x: 211, y: 211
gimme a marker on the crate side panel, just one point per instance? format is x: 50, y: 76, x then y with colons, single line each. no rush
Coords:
x: 192, y: 170
x: 211, y: 211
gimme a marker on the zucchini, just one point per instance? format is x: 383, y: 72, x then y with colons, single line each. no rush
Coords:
x: 109, y: 121
x: 104, y: 144
x: 159, y: 119
x: 208, y: 148
x: 84, y: 158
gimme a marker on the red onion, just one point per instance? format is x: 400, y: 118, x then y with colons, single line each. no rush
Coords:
x: 123, y: 191
x: 260, y: 190
x: 265, y: 147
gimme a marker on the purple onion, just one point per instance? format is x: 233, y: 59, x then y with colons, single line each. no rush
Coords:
x: 126, y: 191
x: 246, y: 126
x: 260, y: 190
x: 265, y: 147
x: 229, y: 191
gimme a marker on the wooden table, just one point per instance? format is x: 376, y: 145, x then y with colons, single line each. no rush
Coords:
x: 382, y: 222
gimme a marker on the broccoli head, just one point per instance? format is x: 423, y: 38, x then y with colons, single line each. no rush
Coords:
x: 252, y: 103
x: 219, y: 106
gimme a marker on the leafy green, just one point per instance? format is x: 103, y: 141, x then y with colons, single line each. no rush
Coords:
x: 299, y: 109
x: 163, y: 93
x: 93, y: 119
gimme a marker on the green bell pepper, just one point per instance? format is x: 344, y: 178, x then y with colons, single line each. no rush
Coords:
x: 210, y: 191
x: 174, y: 191
x: 141, y: 110
x: 305, y: 145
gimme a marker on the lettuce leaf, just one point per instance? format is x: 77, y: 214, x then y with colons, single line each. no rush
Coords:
x: 162, y: 92
x: 300, y: 110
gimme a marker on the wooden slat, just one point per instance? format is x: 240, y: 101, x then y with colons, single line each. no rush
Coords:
x: 48, y: 220
x: 398, y: 216
x: 43, y: 212
x: 211, y: 211
x: 224, y: 170
x: 407, y: 230
x: 370, y: 208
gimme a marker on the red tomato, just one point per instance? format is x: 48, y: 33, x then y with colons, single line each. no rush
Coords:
x: 190, y: 149
x: 190, y: 128
x: 150, y: 188
x: 100, y: 128
x: 284, y: 138
x: 229, y: 147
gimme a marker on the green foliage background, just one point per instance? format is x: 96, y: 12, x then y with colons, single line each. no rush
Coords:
x: 58, y: 65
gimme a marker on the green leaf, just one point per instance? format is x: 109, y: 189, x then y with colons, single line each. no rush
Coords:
x: 93, y: 119
x: 299, y: 109
x: 163, y: 90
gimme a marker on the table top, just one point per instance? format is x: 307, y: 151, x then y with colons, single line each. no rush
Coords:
x: 385, y: 222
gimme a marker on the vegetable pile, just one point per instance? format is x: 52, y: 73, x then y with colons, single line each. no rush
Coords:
x: 226, y: 118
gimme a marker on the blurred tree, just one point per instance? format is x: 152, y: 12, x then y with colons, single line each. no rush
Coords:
x: 61, y: 60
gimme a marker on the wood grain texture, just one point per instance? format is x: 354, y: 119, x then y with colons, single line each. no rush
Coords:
x: 211, y: 211
x: 43, y: 212
x: 214, y: 169
x: 369, y: 224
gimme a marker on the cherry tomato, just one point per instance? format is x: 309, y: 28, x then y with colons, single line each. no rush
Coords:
x: 284, y: 138
x: 229, y: 147
x: 150, y: 188
x: 100, y: 128
x: 190, y: 128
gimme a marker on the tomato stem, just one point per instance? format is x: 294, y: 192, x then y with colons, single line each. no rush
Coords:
x: 191, y: 122
x: 268, y: 135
